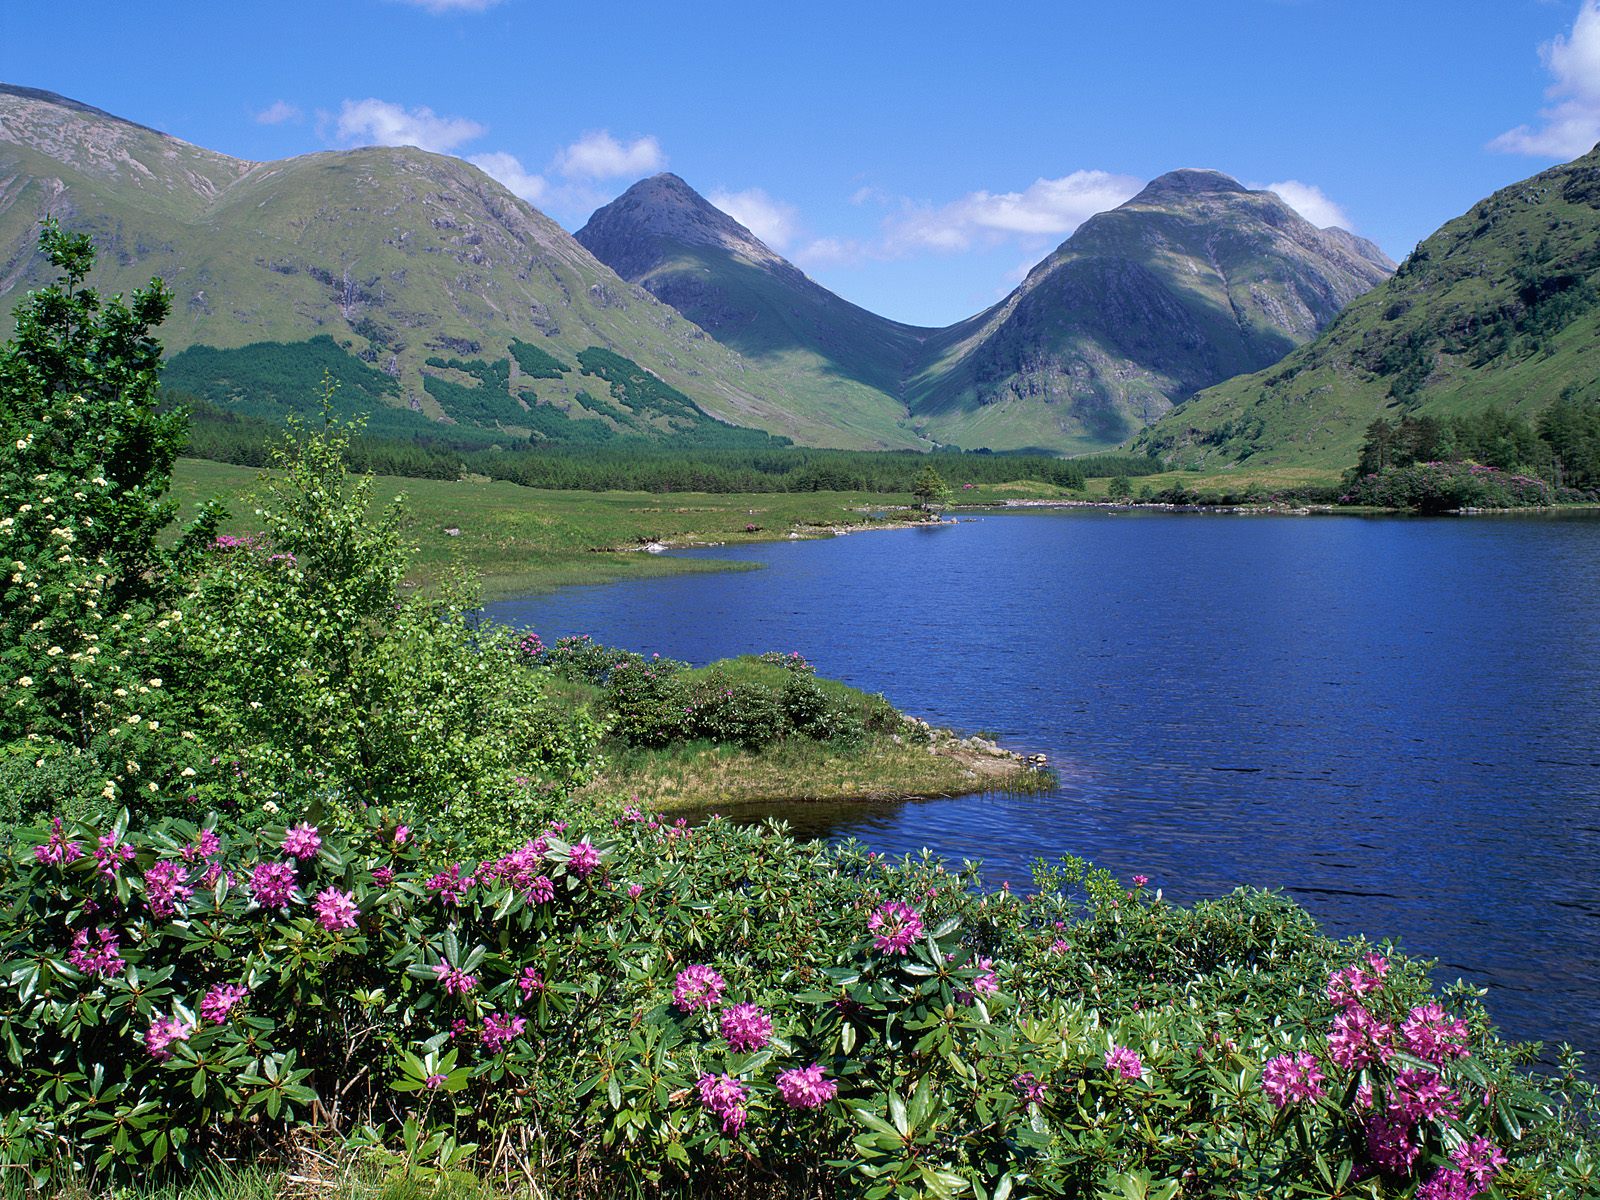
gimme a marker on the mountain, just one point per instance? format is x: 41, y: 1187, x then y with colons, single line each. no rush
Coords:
x: 430, y: 290
x: 844, y: 360
x: 1500, y: 307
x: 1194, y: 280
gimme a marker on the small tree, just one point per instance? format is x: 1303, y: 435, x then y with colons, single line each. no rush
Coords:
x: 930, y: 491
x: 1120, y: 488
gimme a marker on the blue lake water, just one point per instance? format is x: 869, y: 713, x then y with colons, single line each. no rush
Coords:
x: 1397, y: 721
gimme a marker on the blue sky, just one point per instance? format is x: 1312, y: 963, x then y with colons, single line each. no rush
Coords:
x: 914, y: 157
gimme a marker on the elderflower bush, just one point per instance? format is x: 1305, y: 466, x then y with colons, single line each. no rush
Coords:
x: 700, y: 1008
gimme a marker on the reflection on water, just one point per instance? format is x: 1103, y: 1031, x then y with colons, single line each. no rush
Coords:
x: 1396, y: 720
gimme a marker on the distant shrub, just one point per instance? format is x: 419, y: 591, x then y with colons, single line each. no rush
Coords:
x: 1434, y: 487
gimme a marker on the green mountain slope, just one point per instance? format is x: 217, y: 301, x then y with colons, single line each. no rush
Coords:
x: 419, y: 265
x: 1192, y: 281
x: 1499, y: 307
x: 831, y: 354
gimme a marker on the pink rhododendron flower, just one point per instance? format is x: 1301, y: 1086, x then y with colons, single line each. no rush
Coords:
x: 987, y: 982
x: 221, y: 1000
x: 1349, y: 986
x: 165, y: 888
x: 583, y: 859
x: 98, y: 956
x: 530, y: 981
x: 434, y: 1082
x: 501, y: 1029
x: 697, y: 986
x: 1358, y: 1039
x: 745, y: 1026
x: 205, y: 845
x: 302, y: 841
x: 1433, y: 1035
x: 451, y: 886
x: 724, y: 1096
x: 454, y: 980
x: 401, y: 834
x: 1390, y: 1143
x: 1420, y: 1095
x: 162, y: 1033
x: 895, y: 927
x: 1292, y: 1079
x: 1124, y: 1062
x: 383, y: 876
x: 1059, y: 947
x: 1029, y: 1086
x: 1140, y: 880
x: 1480, y: 1160
x: 336, y: 910
x: 111, y: 854
x: 272, y: 884
x: 635, y: 890
x: 58, y: 851
x: 806, y: 1087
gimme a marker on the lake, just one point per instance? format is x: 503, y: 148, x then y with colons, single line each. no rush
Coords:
x: 1395, y: 720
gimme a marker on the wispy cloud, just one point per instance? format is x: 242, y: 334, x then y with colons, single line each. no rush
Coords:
x: 436, y: 7
x: 775, y: 222
x: 1046, y: 208
x: 378, y: 122
x: 1570, y: 126
x: 277, y: 113
x: 1312, y: 203
x: 598, y: 155
x: 508, y: 169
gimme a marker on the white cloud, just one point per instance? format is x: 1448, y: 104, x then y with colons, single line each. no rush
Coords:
x: 277, y: 113
x: 378, y: 122
x: 508, y: 169
x: 437, y: 7
x: 1312, y: 203
x: 598, y: 155
x: 773, y: 221
x: 1048, y: 207
x: 1571, y: 125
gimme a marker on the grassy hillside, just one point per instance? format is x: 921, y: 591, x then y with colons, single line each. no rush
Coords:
x: 397, y: 255
x: 1499, y: 307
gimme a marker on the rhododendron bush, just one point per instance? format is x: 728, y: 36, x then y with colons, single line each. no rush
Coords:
x: 726, y: 1005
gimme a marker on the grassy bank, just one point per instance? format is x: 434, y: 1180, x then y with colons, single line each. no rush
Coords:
x: 521, y: 540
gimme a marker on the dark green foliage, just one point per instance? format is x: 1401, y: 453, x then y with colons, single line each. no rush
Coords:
x: 271, y: 380
x: 1437, y: 487
x: 1571, y: 428
x: 536, y: 363
x: 489, y: 403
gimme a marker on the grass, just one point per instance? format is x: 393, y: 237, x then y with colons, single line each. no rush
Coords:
x: 521, y: 540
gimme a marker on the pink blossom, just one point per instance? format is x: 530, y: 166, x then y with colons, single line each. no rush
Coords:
x: 383, y: 876
x: 1029, y: 1086
x: 451, y: 886
x: 501, y: 1029
x: 302, y: 841
x: 635, y: 891
x: 58, y: 851
x: 1059, y: 946
x: 164, y: 888
x: 697, y: 986
x: 1292, y: 1079
x: 1421, y: 1095
x: 272, y: 884
x: 99, y: 956
x: 1358, y: 1039
x: 111, y: 854
x: 162, y: 1033
x: 454, y: 980
x: 724, y: 1096
x: 1480, y: 1159
x: 1433, y: 1035
x: 401, y: 834
x: 582, y: 859
x: 1140, y: 880
x: 987, y: 983
x: 530, y: 981
x: 221, y: 1000
x: 1349, y: 986
x: 1124, y: 1062
x: 434, y: 1082
x: 336, y: 910
x: 806, y: 1087
x: 896, y: 927
x: 1390, y: 1143
x: 745, y: 1026
x: 206, y: 845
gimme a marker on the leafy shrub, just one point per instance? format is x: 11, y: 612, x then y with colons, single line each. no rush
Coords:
x: 685, y: 1008
x: 649, y: 703
x: 1434, y: 487
x: 735, y: 713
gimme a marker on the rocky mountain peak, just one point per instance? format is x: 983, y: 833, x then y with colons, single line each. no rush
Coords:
x: 665, y: 207
x: 1188, y: 182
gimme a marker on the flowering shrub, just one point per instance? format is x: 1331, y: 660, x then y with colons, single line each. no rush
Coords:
x: 683, y: 1004
x: 1447, y: 486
